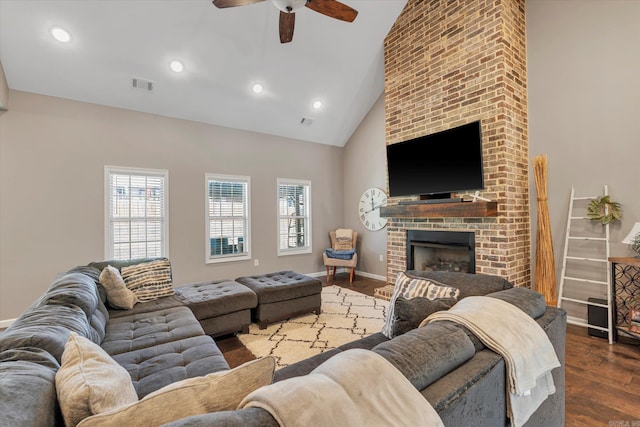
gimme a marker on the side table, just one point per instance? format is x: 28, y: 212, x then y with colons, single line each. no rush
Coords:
x: 625, y: 281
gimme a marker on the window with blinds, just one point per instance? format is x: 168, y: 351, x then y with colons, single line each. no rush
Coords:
x: 136, y: 217
x: 228, y: 218
x: 294, y: 216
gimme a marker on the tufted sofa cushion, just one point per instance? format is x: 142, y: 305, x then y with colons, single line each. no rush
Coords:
x: 31, y: 383
x: 47, y: 327
x: 212, y: 299
x: 154, y: 367
x: 76, y: 289
x: 426, y: 354
x: 527, y: 300
x: 147, y: 307
x: 136, y: 331
x: 248, y: 417
x: 307, y: 365
x: 281, y: 286
x: 72, y: 289
x: 99, y: 320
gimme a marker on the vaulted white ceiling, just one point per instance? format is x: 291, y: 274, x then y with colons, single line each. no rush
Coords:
x: 224, y: 52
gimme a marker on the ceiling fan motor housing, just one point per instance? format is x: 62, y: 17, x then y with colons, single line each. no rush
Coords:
x: 289, y: 5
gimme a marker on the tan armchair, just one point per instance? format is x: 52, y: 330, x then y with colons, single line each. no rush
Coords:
x: 344, y: 263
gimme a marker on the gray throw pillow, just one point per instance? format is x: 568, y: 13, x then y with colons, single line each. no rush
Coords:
x: 412, y: 287
x: 409, y: 313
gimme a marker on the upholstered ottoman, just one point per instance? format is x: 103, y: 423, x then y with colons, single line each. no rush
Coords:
x: 283, y: 295
x: 222, y: 307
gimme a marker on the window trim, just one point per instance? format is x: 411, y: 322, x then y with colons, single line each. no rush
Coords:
x: 108, y: 237
x: 207, y: 242
x: 307, y: 249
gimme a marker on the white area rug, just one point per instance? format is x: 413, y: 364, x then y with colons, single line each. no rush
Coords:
x: 346, y: 316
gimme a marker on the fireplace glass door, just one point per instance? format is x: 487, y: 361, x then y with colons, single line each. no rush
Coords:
x: 441, y: 251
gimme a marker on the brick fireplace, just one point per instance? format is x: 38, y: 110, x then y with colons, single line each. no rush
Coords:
x: 451, y: 62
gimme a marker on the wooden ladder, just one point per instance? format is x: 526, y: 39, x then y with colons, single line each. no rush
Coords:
x: 599, y: 257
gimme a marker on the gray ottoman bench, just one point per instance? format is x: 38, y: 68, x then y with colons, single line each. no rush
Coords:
x: 222, y: 307
x: 283, y: 295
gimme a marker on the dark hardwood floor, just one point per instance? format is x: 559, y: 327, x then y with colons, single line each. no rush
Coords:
x: 602, y: 380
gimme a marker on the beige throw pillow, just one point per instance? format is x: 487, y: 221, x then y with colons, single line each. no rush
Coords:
x: 118, y: 295
x: 344, y: 239
x: 220, y: 391
x: 149, y: 280
x: 90, y: 382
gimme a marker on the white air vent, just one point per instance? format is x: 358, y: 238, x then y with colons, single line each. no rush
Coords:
x: 306, y: 121
x: 142, y: 84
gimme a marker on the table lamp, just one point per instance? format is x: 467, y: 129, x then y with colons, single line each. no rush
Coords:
x: 633, y: 239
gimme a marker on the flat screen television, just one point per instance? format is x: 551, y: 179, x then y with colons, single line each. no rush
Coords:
x: 438, y: 164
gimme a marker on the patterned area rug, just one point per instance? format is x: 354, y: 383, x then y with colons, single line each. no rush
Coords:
x: 346, y: 316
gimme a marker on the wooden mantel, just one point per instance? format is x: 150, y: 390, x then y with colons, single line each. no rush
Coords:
x: 441, y: 210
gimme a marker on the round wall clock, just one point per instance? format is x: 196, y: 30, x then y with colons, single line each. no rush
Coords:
x: 369, y: 209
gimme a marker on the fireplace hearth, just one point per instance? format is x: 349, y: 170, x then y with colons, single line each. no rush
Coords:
x: 441, y: 251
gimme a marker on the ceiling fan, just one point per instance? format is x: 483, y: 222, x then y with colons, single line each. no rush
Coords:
x: 331, y: 8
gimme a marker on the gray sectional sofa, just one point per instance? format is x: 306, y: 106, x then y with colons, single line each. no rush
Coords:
x: 158, y: 343
x: 161, y: 342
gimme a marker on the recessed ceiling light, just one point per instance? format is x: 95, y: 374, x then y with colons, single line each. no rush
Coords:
x: 60, y: 34
x: 317, y: 105
x: 176, y: 66
x: 257, y: 88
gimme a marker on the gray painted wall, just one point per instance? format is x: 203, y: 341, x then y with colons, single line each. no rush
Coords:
x: 365, y: 166
x: 583, y: 66
x: 4, y: 91
x: 52, y: 157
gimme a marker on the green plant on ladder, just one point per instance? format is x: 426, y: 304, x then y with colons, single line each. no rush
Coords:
x: 605, y: 210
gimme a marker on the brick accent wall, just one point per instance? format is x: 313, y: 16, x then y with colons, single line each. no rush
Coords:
x: 451, y: 62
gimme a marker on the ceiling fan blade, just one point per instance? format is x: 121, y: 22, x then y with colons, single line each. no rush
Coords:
x: 233, y: 3
x: 334, y: 9
x: 287, y: 22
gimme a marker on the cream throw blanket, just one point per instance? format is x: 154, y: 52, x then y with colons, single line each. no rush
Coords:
x: 354, y: 388
x: 526, y: 349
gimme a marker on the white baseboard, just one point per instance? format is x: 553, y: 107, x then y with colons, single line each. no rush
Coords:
x: 358, y: 273
x: 316, y: 274
x: 371, y: 275
x: 6, y: 323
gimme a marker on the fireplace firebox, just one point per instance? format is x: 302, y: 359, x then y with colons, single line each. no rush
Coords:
x: 441, y: 251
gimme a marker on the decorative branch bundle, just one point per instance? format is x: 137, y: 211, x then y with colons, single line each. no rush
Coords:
x: 545, y: 280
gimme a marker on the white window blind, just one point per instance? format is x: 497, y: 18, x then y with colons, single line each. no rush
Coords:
x: 136, y: 217
x: 228, y: 218
x: 294, y: 216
